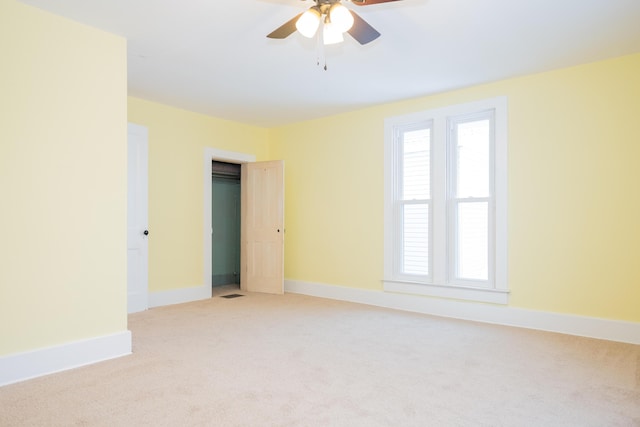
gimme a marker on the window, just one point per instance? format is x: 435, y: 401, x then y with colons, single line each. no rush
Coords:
x: 445, y: 202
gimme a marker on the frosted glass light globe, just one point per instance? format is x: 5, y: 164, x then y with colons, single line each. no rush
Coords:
x: 308, y: 23
x: 341, y: 17
x: 331, y: 34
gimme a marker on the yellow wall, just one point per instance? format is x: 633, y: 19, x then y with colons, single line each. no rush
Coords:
x: 177, y: 141
x: 574, y: 210
x: 333, y: 199
x: 573, y: 207
x: 63, y: 187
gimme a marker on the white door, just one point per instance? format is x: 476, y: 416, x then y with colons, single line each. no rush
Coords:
x: 137, y: 232
x: 262, y: 234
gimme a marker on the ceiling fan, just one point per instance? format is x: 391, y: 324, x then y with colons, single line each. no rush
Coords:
x: 335, y: 19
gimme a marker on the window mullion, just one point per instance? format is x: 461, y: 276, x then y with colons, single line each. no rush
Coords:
x: 439, y: 190
x: 450, y: 202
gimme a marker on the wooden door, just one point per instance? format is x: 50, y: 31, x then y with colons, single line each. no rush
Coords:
x: 262, y: 234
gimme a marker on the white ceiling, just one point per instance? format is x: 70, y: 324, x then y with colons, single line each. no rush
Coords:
x: 212, y: 56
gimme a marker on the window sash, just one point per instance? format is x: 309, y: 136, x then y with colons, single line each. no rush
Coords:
x: 414, y: 260
x: 416, y: 268
x: 459, y: 246
x: 458, y: 242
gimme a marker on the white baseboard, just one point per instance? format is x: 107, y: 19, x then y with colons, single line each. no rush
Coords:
x: 23, y: 366
x: 613, y: 330
x: 179, y: 296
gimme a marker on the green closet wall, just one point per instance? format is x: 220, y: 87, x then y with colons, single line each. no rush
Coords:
x: 225, y: 218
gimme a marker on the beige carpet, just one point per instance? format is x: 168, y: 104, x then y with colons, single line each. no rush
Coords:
x: 293, y: 360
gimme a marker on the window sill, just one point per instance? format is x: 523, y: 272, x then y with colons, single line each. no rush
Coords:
x: 493, y: 296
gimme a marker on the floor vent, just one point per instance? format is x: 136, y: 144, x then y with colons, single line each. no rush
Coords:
x: 231, y: 296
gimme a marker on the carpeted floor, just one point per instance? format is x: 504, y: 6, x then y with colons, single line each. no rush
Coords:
x: 293, y: 360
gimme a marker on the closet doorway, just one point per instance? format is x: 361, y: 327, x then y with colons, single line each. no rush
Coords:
x: 225, y: 221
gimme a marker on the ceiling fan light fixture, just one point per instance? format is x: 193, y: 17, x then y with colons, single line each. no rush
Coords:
x: 341, y: 17
x: 307, y: 24
x: 331, y: 34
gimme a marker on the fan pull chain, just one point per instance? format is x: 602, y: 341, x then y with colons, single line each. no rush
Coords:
x: 319, y: 48
x: 320, y: 52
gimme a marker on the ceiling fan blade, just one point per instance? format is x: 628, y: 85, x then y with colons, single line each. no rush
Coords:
x: 286, y: 29
x: 368, y: 2
x: 361, y: 30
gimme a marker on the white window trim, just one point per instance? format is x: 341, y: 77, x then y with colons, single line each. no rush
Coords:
x: 437, y: 285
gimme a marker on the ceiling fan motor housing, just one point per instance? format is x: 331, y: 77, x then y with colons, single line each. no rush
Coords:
x: 359, y: 29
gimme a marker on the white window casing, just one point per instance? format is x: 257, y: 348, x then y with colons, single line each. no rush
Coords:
x: 443, y: 254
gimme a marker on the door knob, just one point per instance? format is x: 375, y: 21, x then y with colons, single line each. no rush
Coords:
x: 145, y: 232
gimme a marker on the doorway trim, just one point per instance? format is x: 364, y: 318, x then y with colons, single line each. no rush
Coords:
x: 211, y: 154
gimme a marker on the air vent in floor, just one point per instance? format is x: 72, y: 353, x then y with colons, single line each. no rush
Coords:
x: 231, y: 296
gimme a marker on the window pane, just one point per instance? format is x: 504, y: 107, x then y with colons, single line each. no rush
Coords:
x: 416, y: 151
x: 473, y: 150
x: 473, y: 241
x: 415, y: 239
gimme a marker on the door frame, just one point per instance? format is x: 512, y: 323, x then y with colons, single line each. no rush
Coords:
x: 211, y: 154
